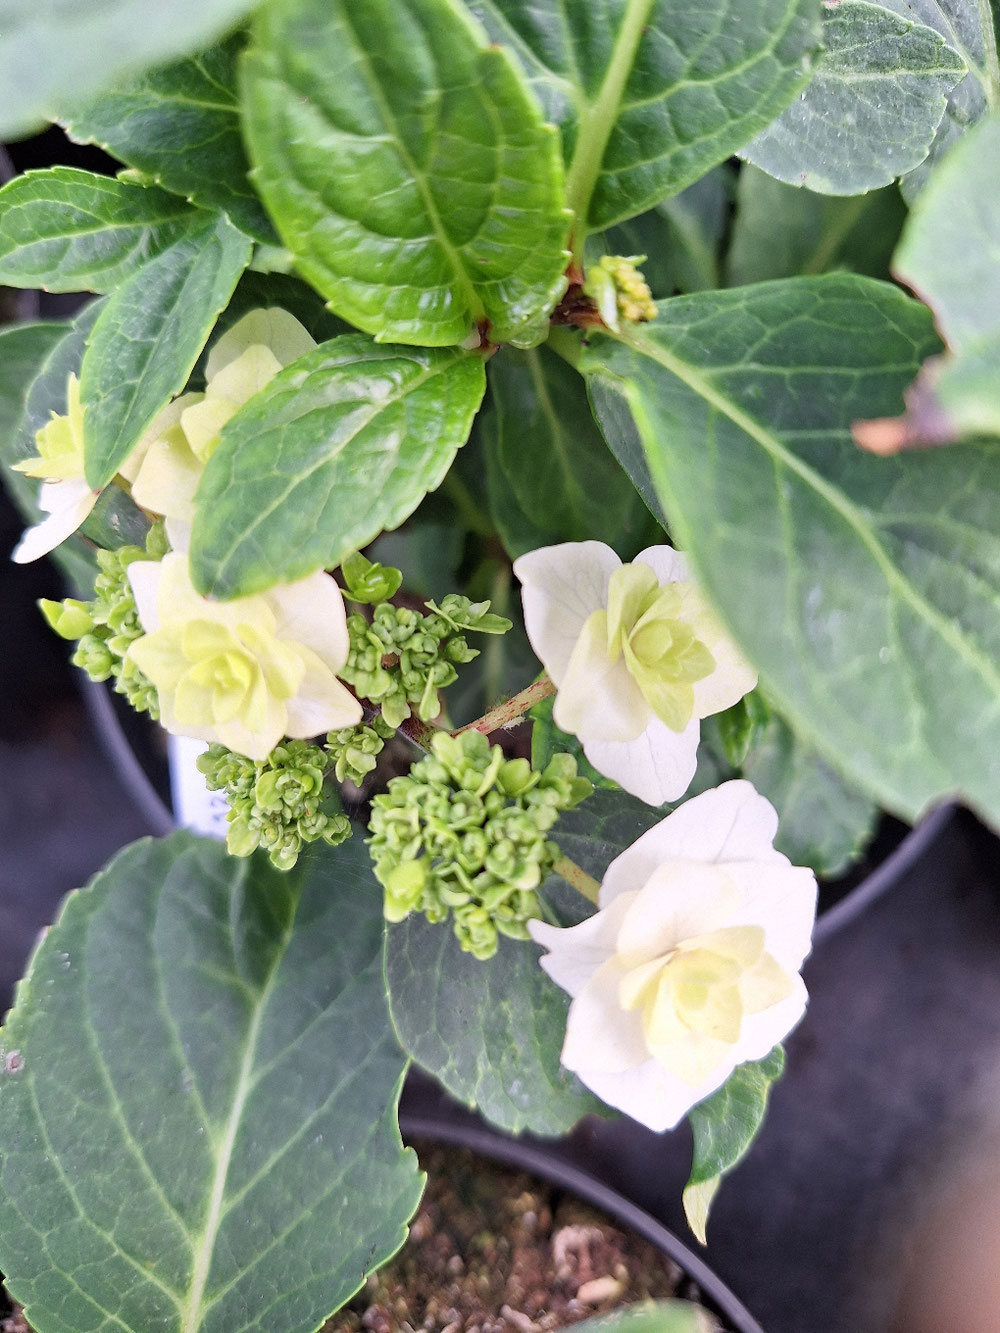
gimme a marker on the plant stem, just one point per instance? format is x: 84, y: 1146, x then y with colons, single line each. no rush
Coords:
x: 420, y: 733
x: 578, y: 877
x: 505, y: 714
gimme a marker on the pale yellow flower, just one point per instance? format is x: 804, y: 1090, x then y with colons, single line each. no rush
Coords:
x: 64, y: 495
x: 637, y: 656
x: 247, y: 672
x: 690, y: 967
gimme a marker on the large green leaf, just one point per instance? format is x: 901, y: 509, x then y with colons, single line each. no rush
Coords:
x: 147, y: 339
x: 652, y: 1317
x: 651, y: 93
x: 551, y: 476
x: 969, y: 27
x: 872, y: 108
x: 179, y: 124
x: 780, y: 231
x: 53, y: 52
x: 407, y: 168
x: 197, y: 1122
x: 71, y: 231
x: 865, y: 590
x: 491, y: 1031
x: 724, y: 1127
x: 344, y: 442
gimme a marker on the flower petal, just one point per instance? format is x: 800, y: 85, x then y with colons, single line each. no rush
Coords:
x: 144, y: 578
x: 782, y: 899
x: 651, y: 1094
x: 668, y: 565
x: 679, y: 900
x: 658, y: 766
x: 322, y: 703
x: 600, y: 1034
x: 598, y: 699
x: 560, y: 587
x: 68, y: 503
x: 278, y: 330
x: 576, y: 952
x: 311, y: 612
x: 762, y: 1032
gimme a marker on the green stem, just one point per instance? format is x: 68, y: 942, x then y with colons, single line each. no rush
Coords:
x: 578, y: 877
x: 506, y: 714
x: 565, y: 343
x: 597, y: 122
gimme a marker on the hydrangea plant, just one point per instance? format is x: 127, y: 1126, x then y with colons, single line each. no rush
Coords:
x: 507, y: 434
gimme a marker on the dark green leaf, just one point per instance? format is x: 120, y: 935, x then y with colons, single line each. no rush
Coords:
x: 54, y: 52
x: 148, y: 336
x: 429, y: 553
x: 70, y: 231
x: 651, y: 93
x: 872, y: 108
x: 491, y: 1031
x: 822, y: 822
x: 341, y: 444
x: 724, y: 1127
x: 200, y: 1088
x: 407, y: 168
x: 551, y: 476
x: 179, y: 124
x: 779, y: 231
x: 680, y: 237
x: 865, y: 590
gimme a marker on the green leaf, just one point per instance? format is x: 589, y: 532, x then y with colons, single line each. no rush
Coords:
x: 724, y: 1127
x: 948, y: 253
x: 54, y: 52
x: 547, y: 740
x: 650, y: 94
x: 179, y: 125
x: 680, y: 236
x: 148, y: 337
x: 491, y: 1031
x: 70, y: 231
x: 872, y: 108
x: 407, y: 168
x: 822, y: 822
x: 204, y: 1086
x: 864, y: 589
x: 551, y: 477
x: 779, y: 231
x: 968, y: 27
x: 341, y: 444
x: 652, y: 1317
x: 966, y: 391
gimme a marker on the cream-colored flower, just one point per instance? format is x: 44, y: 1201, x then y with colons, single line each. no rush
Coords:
x: 637, y: 656
x: 246, y: 672
x: 64, y: 494
x: 690, y: 967
x: 166, y: 466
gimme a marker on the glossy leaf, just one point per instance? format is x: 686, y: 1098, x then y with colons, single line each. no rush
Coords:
x: 861, y: 584
x: 341, y: 444
x: 71, y: 231
x: 148, y: 337
x: 200, y: 1085
x: 407, y: 168
x: 491, y: 1031
x: 872, y: 108
x: 179, y: 124
x: 54, y: 52
x: 779, y: 231
x: 724, y: 1127
x: 650, y: 94
x: 822, y: 822
x: 551, y: 477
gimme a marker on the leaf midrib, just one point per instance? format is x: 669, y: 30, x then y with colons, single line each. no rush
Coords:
x: 835, y: 498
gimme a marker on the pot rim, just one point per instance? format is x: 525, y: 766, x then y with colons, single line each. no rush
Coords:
x: 534, y: 1158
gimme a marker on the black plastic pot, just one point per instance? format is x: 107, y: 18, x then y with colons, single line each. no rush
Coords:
x: 540, y: 1161
x: 136, y: 751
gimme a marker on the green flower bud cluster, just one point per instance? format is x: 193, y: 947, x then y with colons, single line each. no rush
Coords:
x: 404, y: 657
x: 279, y: 804
x: 464, y: 834
x: 620, y: 291
x: 108, y: 625
x: 355, y: 750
